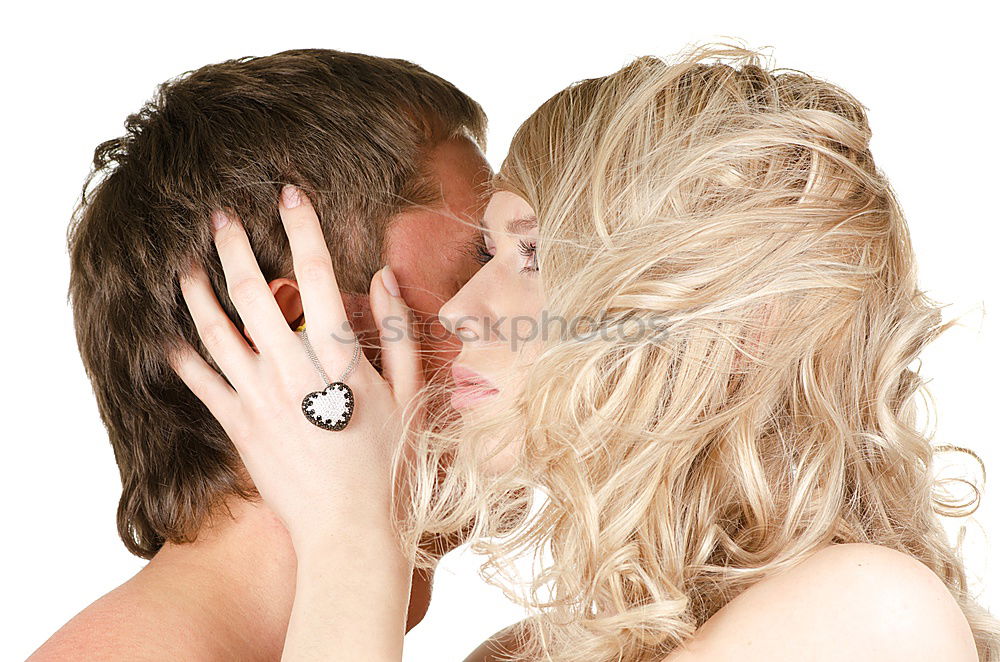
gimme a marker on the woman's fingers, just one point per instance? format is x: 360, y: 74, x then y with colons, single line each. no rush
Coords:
x: 218, y: 333
x: 247, y: 288
x: 322, y: 303
x: 205, y: 383
x: 401, y: 364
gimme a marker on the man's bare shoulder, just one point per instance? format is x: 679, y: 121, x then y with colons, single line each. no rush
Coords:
x: 121, y: 625
x: 854, y: 601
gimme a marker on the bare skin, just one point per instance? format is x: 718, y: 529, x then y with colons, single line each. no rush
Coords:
x: 229, y: 594
x: 844, y: 602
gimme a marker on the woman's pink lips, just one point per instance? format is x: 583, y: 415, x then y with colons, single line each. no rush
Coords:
x: 470, y: 387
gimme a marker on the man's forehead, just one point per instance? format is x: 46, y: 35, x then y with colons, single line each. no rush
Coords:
x: 462, y: 170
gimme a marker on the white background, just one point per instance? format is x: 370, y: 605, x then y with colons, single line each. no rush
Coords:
x: 72, y: 73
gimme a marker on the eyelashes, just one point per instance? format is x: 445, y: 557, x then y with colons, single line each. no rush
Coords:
x: 477, y: 250
x: 528, y: 250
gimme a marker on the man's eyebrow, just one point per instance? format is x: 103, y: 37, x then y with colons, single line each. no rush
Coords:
x: 521, y: 225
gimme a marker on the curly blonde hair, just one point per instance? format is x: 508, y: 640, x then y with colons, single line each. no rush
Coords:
x: 753, y: 396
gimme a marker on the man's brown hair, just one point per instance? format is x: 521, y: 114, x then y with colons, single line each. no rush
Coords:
x: 354, y: 131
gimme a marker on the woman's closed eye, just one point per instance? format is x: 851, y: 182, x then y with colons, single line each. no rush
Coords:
x: 477, y: 249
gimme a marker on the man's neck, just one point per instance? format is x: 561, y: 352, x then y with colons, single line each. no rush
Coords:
x: 234, y: 585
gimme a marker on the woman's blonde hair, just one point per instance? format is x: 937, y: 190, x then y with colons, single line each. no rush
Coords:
x: 744, y: 392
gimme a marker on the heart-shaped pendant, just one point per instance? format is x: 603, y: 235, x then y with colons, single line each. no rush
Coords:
x: 330, y: 408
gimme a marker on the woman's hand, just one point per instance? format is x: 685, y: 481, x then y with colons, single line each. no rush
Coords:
x: 332, y: 489
x: 319, y: 482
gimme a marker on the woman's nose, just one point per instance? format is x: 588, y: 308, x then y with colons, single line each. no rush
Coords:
x: 455, y: 320
x: 462, y: 315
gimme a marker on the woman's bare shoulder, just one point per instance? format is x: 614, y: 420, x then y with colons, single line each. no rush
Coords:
x: 852, y: 601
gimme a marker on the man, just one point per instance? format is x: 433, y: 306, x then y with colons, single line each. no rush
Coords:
x: 391, y: 157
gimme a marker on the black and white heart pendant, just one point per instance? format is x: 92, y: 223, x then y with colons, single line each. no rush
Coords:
x: 330, y: 408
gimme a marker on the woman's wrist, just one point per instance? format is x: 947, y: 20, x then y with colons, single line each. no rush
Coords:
x: 351, y: 593
x: 368, y: 550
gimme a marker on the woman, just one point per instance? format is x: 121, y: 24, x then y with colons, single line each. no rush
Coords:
x: 691, y: 331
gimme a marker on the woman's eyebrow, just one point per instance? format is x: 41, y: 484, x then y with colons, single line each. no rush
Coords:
x: 521, y: 225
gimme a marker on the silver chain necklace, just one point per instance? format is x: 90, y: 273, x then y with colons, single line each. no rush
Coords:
x: 331, y: 408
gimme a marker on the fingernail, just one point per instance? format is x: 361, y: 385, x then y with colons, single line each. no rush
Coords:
x: 389, y: 280
x: 290, y: 196
x: 219, y: 219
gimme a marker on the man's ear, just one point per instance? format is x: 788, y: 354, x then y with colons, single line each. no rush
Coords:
x: 286, y: 294
x: 289, y: 299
